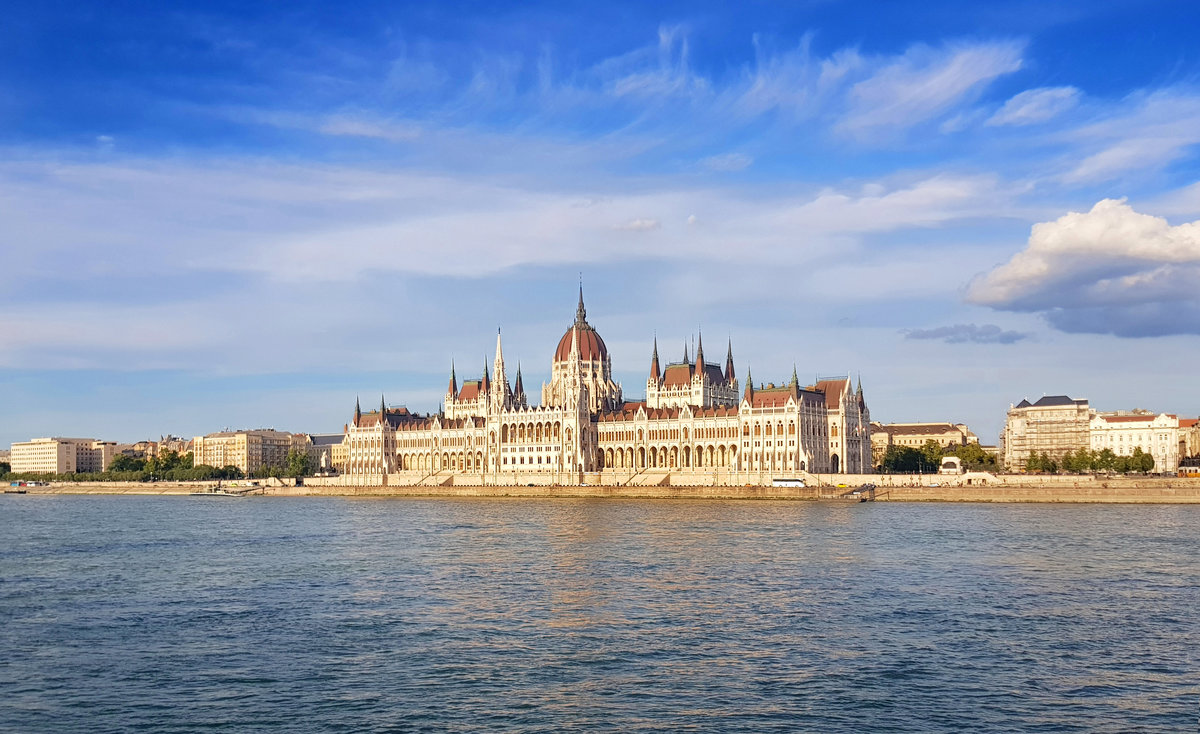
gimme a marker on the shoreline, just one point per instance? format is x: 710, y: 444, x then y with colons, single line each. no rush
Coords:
x: 1140, y: 491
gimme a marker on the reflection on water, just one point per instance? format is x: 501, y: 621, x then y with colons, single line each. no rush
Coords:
x: 177, y: 614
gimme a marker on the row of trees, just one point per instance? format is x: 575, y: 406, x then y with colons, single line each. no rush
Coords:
x: 1086, y: 461
x: 928, y: 458
x: 169, y: 466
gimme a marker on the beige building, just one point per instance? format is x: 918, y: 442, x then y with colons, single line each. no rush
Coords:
x: 1057, y: 424
x: 1158, y: 435
x: 914, y: 435
x: 1189, y: 439
x: 247, y: 450
x: 149, y: 449
x: 695, y: 420
x: 324, y: 450
x: 62, y: 455
x: 1054, y: 425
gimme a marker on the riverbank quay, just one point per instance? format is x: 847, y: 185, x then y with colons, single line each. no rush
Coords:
x: 1160, y: 490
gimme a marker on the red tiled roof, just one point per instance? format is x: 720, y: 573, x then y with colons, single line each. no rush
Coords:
x: 1128, y: 418
x: 591, y: 346
x: 1188, y: 422
x: 470, y: 390
x: 771, y: 397
x: 833, y: 390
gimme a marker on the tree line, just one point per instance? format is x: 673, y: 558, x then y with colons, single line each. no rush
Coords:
x: 169, y: 466
x: 1086, y: 461
x: 928, y: 458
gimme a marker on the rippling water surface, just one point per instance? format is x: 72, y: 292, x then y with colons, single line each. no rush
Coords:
x: 174, y: 614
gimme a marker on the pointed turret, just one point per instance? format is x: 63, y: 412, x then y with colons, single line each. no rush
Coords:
x: 486, y: 382
x: 519, y: 390
x: 357, y: 411
x: 795, y: 383
x: 686, y: 359
x: 655, y: 372
x: 700, y: 355
x: 749, y: 386
x: 729, y: 375
x: 453, y: 390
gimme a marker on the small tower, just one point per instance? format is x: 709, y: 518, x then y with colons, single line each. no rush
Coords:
x: 499, y: 399
x: 749, y: 386
x: 655, y: 371
x: 357, y: 412
x: 700, y: 354
x: 729, y: 374
x: 519, y: 389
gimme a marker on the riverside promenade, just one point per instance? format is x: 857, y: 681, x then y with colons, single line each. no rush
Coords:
x: 1002, y: 488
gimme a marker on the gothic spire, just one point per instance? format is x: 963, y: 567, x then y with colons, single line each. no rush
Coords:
x: 382, y: 408
x: 453, y: 380
x: 485, y: 382
x: 580, y: 311
x: 357, y: 411
x: 729, y: 362
x: 520, y: 386
x: 700, y: 354
x: 654, y: 370
x: 795, y: 378
x: 686, y: 360
x: 749, y: 386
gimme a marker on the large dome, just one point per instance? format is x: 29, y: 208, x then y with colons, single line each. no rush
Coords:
x: 591, y: 346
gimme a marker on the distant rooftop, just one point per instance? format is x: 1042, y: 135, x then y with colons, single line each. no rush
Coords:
x: 1051, y: 401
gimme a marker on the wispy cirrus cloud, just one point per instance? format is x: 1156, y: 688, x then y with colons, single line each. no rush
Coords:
x: 1035, y: 105
x: 923, y: 84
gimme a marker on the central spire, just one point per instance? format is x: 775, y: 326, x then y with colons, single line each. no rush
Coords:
x: 580, y: 311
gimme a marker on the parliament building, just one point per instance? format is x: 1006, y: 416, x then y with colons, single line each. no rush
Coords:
x: 695, y: 426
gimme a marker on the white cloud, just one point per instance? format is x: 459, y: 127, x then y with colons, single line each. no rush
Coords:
x: 923, y: 84
x: 1145, y: 133
x: 641, y: 224
x: 357, y: 126
x: 1109, y: 270
x: 727, y: 162
x: 1035, y: 105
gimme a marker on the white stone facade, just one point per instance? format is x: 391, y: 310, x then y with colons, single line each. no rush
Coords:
x: 693, y: 421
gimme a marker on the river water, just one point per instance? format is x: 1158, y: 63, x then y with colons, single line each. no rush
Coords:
x: 181, y: 614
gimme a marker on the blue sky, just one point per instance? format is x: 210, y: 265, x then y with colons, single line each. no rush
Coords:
x: 217, y: 215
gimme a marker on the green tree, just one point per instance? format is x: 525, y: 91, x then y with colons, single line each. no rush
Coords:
x: 906, y: 459
x: 299, y: 464
x: 167, y: 460
x: 974, y: 457
x: 5, y: 467
x: 1106, y: 460
x: 124, y: 463
x: 1141, y: 461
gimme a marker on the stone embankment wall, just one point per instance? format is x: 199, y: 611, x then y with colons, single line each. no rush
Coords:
x: 663, y: 486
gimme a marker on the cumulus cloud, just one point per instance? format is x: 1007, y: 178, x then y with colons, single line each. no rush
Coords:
x: 1110, y: 270
x: 1036, y: 105
x: 964, y: 333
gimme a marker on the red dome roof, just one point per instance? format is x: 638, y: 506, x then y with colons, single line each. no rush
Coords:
x: 591, y: 346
